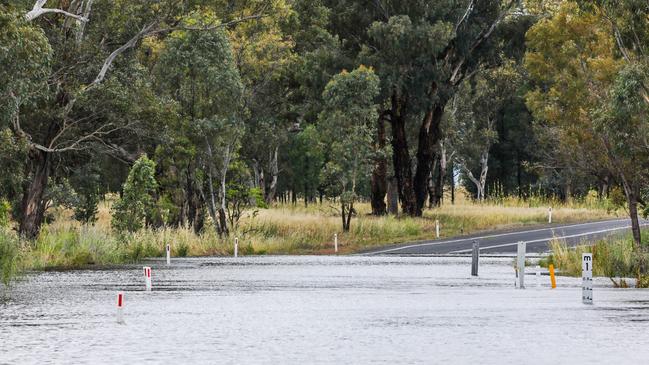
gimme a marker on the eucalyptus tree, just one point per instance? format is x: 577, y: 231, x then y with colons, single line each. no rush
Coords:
x: 347, y: 122
x: 591, y: 96
x: 476, y: 109
x: 422, y: 53
x: 94, y: 98
x: 199, y: 71
x: 264, y: 53
x: 25, y: 59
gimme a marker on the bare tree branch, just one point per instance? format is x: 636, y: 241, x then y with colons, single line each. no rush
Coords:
x: 456, y: 76
x: 39, y: 10
x: 131, y: 42
x: 468, y: 11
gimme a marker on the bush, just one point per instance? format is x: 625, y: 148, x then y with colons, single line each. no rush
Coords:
x: 5, y: 212
x: 137, y: 203
x: 182, y: 250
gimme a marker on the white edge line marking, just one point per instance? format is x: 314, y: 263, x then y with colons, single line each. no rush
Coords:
x: 544, y: 239
x: 491, y: 236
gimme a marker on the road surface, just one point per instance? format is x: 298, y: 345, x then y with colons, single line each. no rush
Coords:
x: 505, y: 242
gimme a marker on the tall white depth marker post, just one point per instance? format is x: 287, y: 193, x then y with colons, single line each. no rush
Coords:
x: 336, y: 242
x: 550, y: 215
x: 120, y: 308
x: 437, y: 228
x: 520, y: 264
x: 147, y: 278
x: 168, y: 249
x: 587, y: 278
x: 236, y: 246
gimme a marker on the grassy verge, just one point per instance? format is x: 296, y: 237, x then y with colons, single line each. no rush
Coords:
x: 283, y: 229
x: 615, y: 258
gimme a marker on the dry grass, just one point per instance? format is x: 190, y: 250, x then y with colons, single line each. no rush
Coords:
x: 615, y: 257
x: 282, y: 229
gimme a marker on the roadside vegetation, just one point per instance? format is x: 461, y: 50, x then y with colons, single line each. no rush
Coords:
x: 125, y: 125
x: 616, y: 258
x: 65, y: 243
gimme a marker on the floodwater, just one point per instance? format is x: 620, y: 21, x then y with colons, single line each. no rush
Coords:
x: 319, y: 310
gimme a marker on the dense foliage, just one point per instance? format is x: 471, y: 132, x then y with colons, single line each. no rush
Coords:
x: 241, y: 104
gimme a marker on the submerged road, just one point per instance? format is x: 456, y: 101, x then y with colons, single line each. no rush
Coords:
x: 505, y: 242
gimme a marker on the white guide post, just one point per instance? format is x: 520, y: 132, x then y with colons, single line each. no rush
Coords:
x: 336, y: 242
x: 120, y: 308
x: 538, y: 275
x: 236, y: 246
x: 147, y: 278
x: 550, y: 215
x: 587, y: 278
x: 520, y: 264
x: 168, y: 249
x: 437, y: 228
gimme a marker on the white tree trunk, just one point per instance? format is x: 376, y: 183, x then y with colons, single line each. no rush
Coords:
x: 274, y: 171
x: 482, y: 181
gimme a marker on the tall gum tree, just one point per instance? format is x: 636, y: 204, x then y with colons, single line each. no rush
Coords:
x: 421, y: 54
x: 89, y: 39
x: 588, y: 99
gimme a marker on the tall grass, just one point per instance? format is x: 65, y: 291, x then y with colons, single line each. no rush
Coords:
x: 9, y: 255
x: 282, y: 229
x: 614, y: 257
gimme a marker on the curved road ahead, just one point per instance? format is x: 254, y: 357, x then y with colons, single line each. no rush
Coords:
x: 505, y: 242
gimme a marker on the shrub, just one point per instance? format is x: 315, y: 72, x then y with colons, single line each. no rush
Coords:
x: 137, y: 203
x: 5, y: 212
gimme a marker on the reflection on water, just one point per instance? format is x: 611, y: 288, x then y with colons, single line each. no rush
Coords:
x: 321, y: 309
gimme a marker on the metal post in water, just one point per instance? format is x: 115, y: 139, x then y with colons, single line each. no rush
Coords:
x: 437, y: 228
x: 550, y: 215
x: 475, y: 256
x: 236, y: 246
x: 168, y: 249
x: 520, y: 265
x: 147, y: 278
x: 120, y: 308
x: 336, y: 242
x: 587, y: 278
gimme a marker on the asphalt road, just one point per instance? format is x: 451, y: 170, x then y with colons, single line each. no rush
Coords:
x: 505, y: 242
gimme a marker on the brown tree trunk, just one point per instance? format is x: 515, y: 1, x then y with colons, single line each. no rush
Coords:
x: 223, y: 222
x: 632, y: 198
x: 199, y: 222
x: 429, y: 136
x: 439, y: 185
x: 393, y: 197
x: 33, y: 204
x: 191, y: 195
x: 401, y: 156
x: 432, y: 195
x: 379, y: 174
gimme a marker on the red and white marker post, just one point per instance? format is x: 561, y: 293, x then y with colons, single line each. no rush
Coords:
x: 168, y: 249
x: 120, y: 308
x: 147, y: 277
